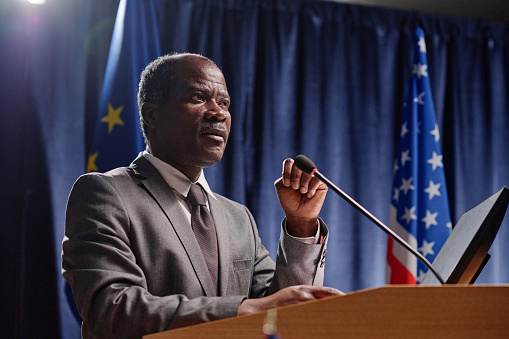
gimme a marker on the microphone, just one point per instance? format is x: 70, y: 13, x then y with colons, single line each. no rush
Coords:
x: 307, y: 166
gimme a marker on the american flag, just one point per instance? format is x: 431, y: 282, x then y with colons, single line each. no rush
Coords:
x: 419, y: 210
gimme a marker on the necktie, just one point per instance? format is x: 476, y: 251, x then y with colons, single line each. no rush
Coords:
x: 204, y: 229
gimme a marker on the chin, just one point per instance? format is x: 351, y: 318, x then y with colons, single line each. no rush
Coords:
x: 210, y: 158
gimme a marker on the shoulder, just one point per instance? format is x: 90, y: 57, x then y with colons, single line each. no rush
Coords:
x: 228, y: 202
x: 112, y: 180
x: 117, y: 174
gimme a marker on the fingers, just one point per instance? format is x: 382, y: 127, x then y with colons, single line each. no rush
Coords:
x: 287, y: 296
x: 302, y: 293
x: 298, y: 180
x: 313, y: 185
x: 287, y: 172
x: 324, y: 291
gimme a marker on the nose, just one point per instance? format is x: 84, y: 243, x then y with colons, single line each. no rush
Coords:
x: 216, y: 112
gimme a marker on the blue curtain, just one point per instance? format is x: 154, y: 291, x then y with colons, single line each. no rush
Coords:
x: 327, y: 80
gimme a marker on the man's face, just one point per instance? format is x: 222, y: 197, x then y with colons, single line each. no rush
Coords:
x: 194, y: 124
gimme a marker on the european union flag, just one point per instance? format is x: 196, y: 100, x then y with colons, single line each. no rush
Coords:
x: 419, y: 210
x: 117, y: 135
x: 135, y: 42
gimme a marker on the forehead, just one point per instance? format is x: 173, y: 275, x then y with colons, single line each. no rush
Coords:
x: 193, y: 71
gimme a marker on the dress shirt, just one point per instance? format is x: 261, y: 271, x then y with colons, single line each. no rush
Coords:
x: 180, y: 184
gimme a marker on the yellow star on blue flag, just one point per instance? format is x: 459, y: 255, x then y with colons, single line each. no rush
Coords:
x: 91, y: 166
x: 113, y: 117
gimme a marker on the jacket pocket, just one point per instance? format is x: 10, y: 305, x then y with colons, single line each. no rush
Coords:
x: 242, y: 276
x: 239, y: 265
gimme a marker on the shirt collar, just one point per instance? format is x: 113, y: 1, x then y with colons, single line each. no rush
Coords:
x: 176, y: 179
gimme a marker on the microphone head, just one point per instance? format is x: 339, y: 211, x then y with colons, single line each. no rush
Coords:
x: 304, y: 164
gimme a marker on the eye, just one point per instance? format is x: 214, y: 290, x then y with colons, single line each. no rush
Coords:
x: 224, y: 103
x: 198, y: 97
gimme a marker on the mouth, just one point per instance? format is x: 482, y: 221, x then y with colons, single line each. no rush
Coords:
x: 219, y: 134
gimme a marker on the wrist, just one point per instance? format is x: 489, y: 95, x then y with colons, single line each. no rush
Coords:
x: 249, y: 306
x: 245, y: 307
x: 302, y: 227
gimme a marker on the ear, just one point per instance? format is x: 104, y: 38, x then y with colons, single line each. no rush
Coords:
x: 149, y: 113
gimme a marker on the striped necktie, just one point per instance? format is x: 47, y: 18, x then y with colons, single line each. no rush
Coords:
x: 204, y: 229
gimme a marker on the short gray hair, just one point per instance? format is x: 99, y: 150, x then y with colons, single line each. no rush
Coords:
x: 157, y: 80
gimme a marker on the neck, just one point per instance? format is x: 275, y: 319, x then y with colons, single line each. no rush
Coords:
x: 191, y: 172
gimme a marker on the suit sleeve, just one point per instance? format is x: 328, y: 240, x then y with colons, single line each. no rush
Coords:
x: 108, y: 286
x: 298, y: 263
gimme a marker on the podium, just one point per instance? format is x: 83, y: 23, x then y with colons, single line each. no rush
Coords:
x: 457, y: 309
x: 449, y: 311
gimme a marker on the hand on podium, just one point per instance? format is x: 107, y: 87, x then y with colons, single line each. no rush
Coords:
x: 287, y: 296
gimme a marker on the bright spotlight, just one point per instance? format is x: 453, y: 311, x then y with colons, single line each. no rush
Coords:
x: 37, y: 2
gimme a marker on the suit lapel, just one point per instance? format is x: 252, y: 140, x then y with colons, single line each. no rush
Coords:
x: 155, y: 184
x: 222, y: 224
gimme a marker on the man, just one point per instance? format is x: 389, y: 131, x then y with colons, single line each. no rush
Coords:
x: 131, y: 250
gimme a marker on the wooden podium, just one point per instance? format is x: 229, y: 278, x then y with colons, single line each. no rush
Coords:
x: 452, y: 311
x: 455, y: 310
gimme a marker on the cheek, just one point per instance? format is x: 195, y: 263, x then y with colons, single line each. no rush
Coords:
x: 229, y: 123
x: 186, y: 123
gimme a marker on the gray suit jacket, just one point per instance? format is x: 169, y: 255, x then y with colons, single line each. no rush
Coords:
x: 135, y: 266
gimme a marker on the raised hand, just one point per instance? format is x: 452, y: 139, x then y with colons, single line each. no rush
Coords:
x: 301, y: 196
